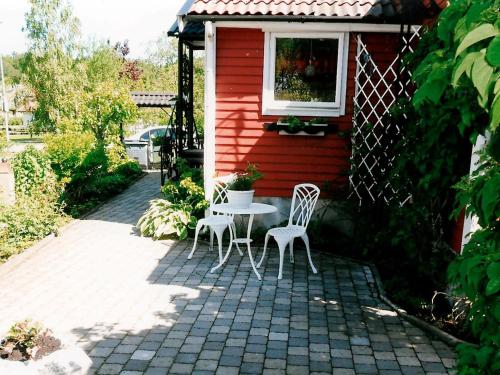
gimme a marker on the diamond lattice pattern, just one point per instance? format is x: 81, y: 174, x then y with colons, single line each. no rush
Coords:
x: 376, y: 90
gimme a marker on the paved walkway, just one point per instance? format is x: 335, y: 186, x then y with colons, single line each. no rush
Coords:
x: 138, y: 306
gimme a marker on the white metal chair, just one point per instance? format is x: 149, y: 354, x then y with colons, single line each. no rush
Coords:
x: 304, y: 200
x: 217, y: 223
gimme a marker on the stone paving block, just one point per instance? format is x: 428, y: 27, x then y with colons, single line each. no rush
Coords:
x: 162, y: 362
x: 297, y: 370
x: 206, y: 364
x: 251, y: 368
x: 320, y: 366
x: 231, y: 361
x: 145, y: 297
x: 156, y: 371
x: 275, y: 363
x: 101, y: 352
x: 143, y: 355
x: 110, y: 369
x: 136, y: 365
x: 408, y: 361
x: 227, y: 370
x: 181, y: 368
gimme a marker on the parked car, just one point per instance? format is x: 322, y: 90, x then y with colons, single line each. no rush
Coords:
x: 149, y: 133
x: 142, y: 146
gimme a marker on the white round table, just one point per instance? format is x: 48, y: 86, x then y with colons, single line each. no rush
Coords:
x: 252, y: 210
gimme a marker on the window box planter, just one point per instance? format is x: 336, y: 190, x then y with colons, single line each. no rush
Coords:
x: 313, y: 130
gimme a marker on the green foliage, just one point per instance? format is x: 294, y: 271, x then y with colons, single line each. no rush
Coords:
x: 106, y: 106
x: 67, y: 151
x: 32, y: 172
x: 23, y: 334
x: 244, y: 181
x: 99, y: 177
x: 15, y: 121
x: 455, y: 71
x: 3, y: 142
x: 90, y: 171
x: 30, y: 219
x: 164, y: 219
x: 178, y: 213
x: 188, y: 192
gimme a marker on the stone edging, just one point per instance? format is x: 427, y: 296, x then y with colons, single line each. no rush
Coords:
x: 433, y: 330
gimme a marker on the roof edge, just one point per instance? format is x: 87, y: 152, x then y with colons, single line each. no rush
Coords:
x: 300, y: 19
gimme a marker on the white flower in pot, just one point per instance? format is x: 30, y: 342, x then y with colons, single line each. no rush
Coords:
x: 239, y: 191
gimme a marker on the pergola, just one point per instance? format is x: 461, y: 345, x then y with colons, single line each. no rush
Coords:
x: 161, y: 100
x: 189, y: 142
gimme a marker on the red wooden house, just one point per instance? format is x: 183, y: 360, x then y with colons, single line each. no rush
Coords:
x: 338, y: 60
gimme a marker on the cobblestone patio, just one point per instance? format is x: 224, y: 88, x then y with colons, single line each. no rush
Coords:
x: 138, y: 306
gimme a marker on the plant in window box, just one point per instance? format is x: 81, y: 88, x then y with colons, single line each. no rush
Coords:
x: 239, y: 191
x: 315, y: 125
x: 292, y: 123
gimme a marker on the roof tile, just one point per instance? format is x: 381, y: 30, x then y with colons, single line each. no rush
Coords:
x: 338, y: 8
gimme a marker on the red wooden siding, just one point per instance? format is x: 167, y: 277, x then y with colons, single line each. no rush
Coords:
x: 240, y: 138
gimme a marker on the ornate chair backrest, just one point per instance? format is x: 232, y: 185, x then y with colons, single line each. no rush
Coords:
x: 304, y: 200
x: 220, y: 190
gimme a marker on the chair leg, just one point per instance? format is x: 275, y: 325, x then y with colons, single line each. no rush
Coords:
x: 211, y: 247
x: 292, y: 260
x: 305, y: 238
x: 198, y: 227
x: 219, y: 231
x: 264, y: 251
x: 281, y: 247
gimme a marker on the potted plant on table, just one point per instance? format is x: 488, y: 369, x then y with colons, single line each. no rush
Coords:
x: 239, y: 191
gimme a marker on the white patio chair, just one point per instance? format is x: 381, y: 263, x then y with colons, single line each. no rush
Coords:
x: 304, y: 200
x: 217, y: 223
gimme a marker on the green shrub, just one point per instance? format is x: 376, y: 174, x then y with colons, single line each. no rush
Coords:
x: 32, y: 172
x: 129, y: 169
x: 3, y: 142
x: 186, y: 191
x: 178, y: 213
x: 15, y: 121
x: 30, y: 219
x: 67, y: 151
x: 104, y: 172
x: 164, y: 219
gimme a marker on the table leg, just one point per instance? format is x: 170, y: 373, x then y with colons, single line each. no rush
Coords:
x: 249, y: 231
x: 221, y: 262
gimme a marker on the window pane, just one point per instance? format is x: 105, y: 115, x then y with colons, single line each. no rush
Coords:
x: 306, y: 69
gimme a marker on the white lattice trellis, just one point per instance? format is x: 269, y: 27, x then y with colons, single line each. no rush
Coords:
x: 376, y: 90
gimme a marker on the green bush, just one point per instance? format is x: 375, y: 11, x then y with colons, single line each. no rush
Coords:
x: 30, y: 219
x: 178, y: 213
x: 15, y: 121
x: 32, y: 172
x: 67, y: 151
x: 103, y: 172
x: 3, y: 142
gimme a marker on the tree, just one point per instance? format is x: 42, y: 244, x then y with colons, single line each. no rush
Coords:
x: 107, y: 105
x: 49, y: 66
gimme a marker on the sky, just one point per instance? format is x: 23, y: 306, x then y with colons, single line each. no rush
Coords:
x: 139, y: 21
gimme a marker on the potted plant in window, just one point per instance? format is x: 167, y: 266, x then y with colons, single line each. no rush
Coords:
x: 239, y: 191
x: 291, y: 124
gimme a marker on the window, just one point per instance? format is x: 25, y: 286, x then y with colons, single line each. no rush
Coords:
x: 305, y: 74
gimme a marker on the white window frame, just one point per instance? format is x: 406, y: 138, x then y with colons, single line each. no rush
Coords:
x: 270, y: 106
